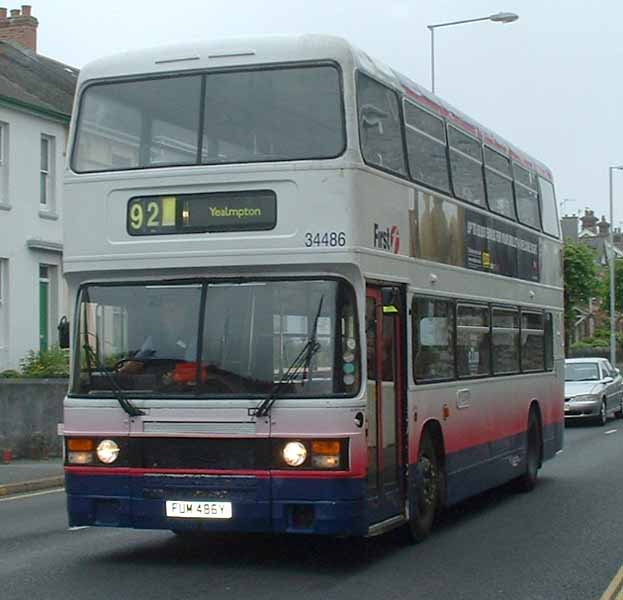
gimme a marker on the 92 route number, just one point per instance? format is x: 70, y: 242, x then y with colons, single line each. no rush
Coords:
x: 326, y: 239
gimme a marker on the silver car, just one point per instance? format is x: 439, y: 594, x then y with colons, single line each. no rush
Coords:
x: 593, y: 389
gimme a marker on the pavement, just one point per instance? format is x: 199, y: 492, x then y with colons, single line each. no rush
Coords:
x: 22, y: 475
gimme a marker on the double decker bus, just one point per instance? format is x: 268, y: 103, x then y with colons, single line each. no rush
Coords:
x: 311, y: 297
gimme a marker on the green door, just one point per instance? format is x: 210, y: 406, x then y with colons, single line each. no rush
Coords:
x: 43, y: 314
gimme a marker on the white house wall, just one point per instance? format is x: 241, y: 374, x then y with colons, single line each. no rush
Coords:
x: 29, y: 236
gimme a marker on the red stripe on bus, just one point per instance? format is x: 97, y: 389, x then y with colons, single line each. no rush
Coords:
x: 283, y: 474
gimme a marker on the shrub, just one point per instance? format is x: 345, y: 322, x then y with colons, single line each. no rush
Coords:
x: 10, y: 374
x: 53, y: 362
x: 591, y: 343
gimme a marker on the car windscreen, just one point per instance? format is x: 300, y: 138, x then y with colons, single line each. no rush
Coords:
x: 212, y: 339
x: 257, y: 115
x: 588, y: 371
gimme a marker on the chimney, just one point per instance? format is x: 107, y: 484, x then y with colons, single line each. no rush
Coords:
x: 589, y: 221
x: 20, y: 27
x: 604, y: 227
x: 570, y: 228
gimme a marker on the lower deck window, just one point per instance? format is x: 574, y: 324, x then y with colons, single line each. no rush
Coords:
x: 453, y: 339
x: 532, y: 342
x: 433, y: 335
x: 472, y: 341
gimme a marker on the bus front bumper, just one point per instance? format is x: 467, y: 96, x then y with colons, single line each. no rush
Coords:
x: 326, y: 506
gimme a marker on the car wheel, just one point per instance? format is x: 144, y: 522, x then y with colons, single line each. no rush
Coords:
x: 603, y: 414
x: 427, y: 491
x: 619, y: 412
x: 527, y: 481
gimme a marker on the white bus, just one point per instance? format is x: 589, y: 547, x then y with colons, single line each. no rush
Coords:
x: 311, y: 297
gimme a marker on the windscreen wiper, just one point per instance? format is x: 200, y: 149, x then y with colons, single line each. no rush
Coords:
x: 124, y: 402
x: 301, y: 362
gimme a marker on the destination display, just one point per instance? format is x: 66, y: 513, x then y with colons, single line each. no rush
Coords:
x: 202, y: 213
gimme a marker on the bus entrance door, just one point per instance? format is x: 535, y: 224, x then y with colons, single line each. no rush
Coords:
x: 386, y: 426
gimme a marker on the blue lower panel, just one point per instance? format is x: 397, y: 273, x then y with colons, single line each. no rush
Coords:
x: 319, y: 506
x: 474, y: 470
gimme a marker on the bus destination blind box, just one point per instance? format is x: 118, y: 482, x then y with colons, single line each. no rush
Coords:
x: 254, y: 210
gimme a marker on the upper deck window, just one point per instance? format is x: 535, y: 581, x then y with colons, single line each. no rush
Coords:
x: 379, y: 126
x: 257, y: 115
x: 526, y: 197
x: 548, y: 208
x: 466, y: 165
x: 426, y: 147
x: 499, y: 183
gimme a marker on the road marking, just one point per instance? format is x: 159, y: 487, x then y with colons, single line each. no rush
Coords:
x: 611, y: 431
x: 615, y: 588
x: 32, y: 494
x: 78, y: 528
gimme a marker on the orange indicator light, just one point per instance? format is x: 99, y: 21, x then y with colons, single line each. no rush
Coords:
x: 80, y: 444
x: 326, y: 447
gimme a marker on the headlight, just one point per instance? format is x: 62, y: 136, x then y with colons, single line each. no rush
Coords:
x: 107, y: 451
x: 585, y: 398
x: 294, y: 454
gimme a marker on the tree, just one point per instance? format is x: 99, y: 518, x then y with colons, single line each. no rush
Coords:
x: 581, y: 281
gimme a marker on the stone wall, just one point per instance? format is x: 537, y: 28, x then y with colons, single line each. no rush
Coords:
x: 30, y: 411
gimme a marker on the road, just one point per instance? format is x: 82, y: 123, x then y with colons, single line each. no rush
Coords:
x: 562, y: 541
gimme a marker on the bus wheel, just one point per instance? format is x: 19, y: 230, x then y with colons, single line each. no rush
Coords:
x: 527, y: 481
x: 427, y: 491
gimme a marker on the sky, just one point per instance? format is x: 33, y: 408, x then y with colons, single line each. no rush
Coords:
x: 551, y: 82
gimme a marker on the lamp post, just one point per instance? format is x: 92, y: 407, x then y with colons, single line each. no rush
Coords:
x: 501, y: 17
x: 611, y: 261
x: 562, y: 204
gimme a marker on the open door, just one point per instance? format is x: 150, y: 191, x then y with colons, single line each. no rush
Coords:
x: 386, y: 401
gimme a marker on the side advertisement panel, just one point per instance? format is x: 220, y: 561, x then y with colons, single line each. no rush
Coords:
x: 444, y: 232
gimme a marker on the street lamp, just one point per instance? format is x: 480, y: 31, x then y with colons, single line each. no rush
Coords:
x: 562, y: 204
x: 501, y: 17
x: 612, y: 257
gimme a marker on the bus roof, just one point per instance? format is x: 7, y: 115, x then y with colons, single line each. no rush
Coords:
x: 257, y: 50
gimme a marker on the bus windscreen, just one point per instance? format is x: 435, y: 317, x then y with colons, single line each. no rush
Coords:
x: 256, y: 115
x: 211, y: 339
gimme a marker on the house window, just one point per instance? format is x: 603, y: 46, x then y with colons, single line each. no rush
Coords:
x: 4, y: 169
x: 46, y: 175
x: 4, y: 290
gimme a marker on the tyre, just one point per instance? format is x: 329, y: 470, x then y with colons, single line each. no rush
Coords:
x: 187, y: 535
x: 427, y: 501
x: 603, y: 415
x: 619, y: 412
x: 527, y: 481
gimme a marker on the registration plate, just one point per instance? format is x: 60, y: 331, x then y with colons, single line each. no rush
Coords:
x: 198, y: 510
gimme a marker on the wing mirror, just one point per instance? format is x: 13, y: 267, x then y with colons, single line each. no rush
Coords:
x: 608, y: 379
x: 63, y: 333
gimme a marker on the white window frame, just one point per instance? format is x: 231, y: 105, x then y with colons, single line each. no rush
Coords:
x: 46, y: 205
x: 4, y: 302
x: 4, y: 167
